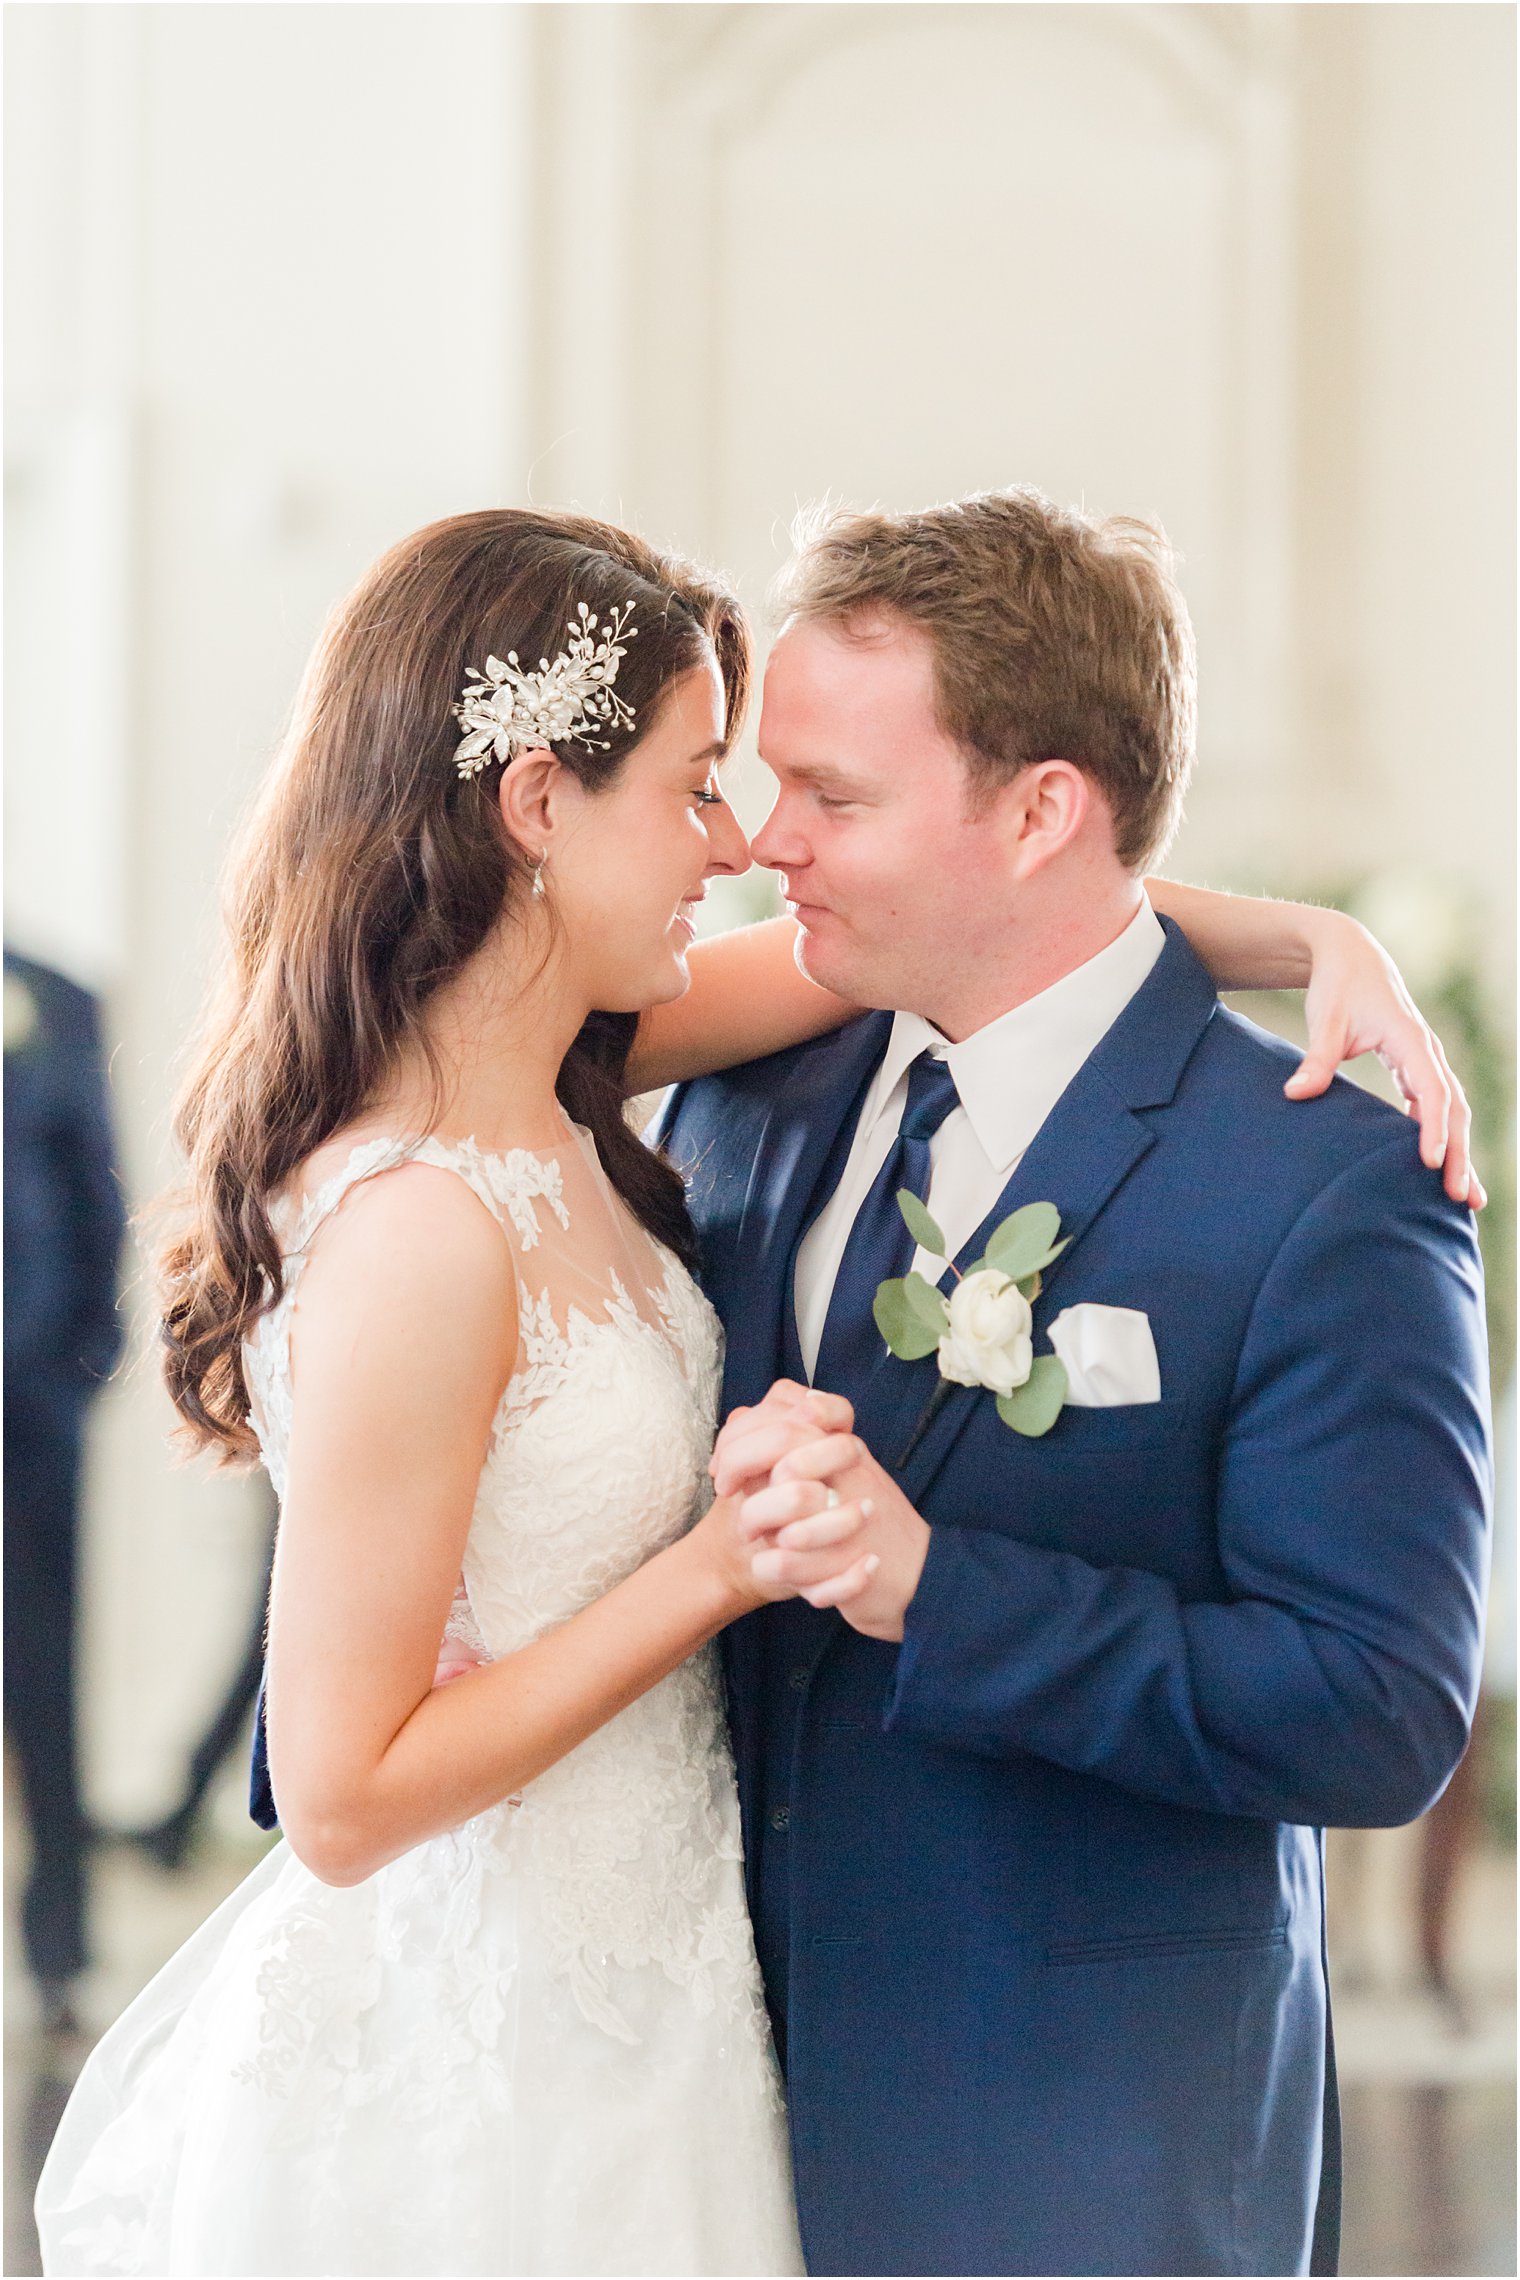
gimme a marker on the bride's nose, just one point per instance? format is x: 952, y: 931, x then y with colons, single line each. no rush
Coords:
x: 727, y: 847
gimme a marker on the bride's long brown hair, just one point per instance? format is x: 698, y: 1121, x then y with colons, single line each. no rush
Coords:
x: 370, y: 871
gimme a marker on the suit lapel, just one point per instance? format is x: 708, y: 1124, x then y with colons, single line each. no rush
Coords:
x: 803, y: 1121
x: 1082, y: 1153
x: 1085, y: 1148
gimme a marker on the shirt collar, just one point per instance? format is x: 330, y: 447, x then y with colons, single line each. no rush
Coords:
x: 1010, y: 1073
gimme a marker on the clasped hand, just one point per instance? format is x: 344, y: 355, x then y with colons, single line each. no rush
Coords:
x: 818, y: 1517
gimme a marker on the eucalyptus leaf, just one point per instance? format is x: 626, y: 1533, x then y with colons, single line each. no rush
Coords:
x: 920, y: 1226
x: 1036, y: 1404
x: 1026, y: 1241
x: 928, y: 1304
x: 906, y: 1335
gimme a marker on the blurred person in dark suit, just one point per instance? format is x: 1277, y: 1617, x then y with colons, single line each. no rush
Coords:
x: 63, y: 1229
x: 169, y: 1839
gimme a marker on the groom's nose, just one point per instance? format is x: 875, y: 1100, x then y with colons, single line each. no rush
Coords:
x: 779, y: 844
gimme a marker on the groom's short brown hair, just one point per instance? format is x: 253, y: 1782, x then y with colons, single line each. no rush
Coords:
x: 1055, y: 637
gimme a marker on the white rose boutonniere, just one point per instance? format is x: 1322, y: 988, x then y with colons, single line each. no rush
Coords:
x: 989, y: 1341
x: 983, y: 1332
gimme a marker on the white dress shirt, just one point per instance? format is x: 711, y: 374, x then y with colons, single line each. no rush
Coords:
x: 1009, y: 1076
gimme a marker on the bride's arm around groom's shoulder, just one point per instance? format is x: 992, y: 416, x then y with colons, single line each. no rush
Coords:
x: 749, y: 998
x: 1356, y: 1002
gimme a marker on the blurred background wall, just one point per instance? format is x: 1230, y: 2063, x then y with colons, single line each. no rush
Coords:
x: 284, y: 282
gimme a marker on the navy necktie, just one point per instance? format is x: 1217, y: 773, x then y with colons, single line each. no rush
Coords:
x: 879, y: 1243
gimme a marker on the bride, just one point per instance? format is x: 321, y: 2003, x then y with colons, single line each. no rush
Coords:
x: 493, y: 2005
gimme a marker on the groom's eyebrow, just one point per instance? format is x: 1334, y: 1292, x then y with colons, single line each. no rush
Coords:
x: 821, y: 777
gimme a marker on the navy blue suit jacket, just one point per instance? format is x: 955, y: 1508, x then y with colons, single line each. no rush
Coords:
x: 64, y: 1215
x: 1039, y: 1893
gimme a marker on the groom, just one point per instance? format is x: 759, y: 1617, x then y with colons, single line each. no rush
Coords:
x: 1033, y: 1827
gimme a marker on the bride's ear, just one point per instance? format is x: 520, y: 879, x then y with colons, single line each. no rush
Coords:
x: 532, y: 799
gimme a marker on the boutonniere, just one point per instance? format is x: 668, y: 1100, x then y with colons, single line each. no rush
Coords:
x: 984, y: 1330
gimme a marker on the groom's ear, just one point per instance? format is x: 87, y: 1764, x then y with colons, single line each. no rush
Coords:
x: 1042, y: 812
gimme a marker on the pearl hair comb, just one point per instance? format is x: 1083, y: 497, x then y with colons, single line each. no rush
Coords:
x: 504, y: 710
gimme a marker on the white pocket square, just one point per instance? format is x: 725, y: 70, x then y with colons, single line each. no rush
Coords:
x: 1110, y: 1356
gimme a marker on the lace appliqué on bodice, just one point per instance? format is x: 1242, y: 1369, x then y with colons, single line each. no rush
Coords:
x: 597, y: 1459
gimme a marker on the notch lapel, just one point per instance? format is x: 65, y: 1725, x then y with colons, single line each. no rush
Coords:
x: 1086, y: 1147
x: 1082, y: 1153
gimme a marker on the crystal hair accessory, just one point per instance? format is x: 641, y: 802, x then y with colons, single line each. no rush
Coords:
x: 505, y: 710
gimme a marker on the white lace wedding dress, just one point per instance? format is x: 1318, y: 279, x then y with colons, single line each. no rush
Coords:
x: 536, y: 2044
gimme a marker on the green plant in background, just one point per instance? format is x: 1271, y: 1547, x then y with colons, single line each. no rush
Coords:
x: 1497, y: 1769
x: 1433, y: 932
x: 1441, y: 965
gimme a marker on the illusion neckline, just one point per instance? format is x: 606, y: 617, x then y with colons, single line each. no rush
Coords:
x: 298, y: 1208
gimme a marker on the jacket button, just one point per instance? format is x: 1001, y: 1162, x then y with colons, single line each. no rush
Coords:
x: 797, y: 1679
x: 781, y: 1819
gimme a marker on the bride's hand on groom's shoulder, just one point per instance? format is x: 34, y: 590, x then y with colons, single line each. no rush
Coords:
x: 1357, y: 1002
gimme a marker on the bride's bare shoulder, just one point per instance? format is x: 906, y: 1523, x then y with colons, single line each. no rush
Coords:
x: 410, y: 1259
x: 393, y: 1218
